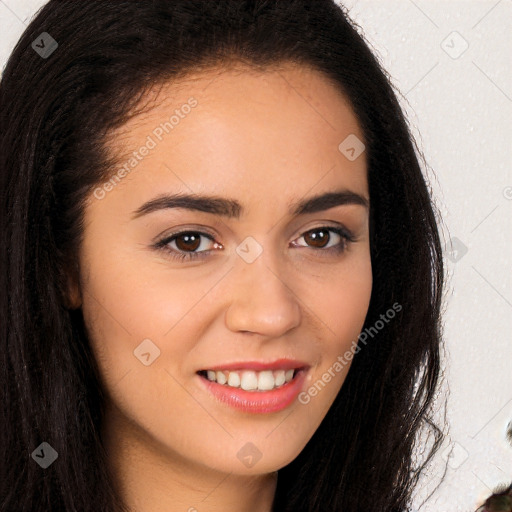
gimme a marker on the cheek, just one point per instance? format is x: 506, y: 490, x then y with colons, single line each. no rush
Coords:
x: 338, y: 310
x: 349, y: 306
x: 124, y: 310
x: 132, y: 309
x: 341, y: 306
x: 342, y: 303
x: 126, y: 301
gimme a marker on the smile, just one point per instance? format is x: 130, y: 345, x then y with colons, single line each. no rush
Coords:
x: 255, y: 391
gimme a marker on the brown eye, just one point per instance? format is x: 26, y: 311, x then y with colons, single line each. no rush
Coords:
x: 188, y: 245
x: 326, y: 239
x: 188, y: 241
x: 317, y: 238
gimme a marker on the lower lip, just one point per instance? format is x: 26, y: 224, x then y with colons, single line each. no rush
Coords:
x: 257, y: 401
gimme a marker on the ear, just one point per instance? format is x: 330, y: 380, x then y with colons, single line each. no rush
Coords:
x: 71, y: 292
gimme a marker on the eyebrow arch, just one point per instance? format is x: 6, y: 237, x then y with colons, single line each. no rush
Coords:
x: 233, y: 209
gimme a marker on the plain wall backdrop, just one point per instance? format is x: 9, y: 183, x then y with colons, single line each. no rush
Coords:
x: 450, y: 63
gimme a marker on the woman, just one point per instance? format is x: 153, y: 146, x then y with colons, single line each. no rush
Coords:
x: 222, y: 263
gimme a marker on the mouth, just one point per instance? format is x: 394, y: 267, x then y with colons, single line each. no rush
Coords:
x: 253, y: 380
x: 257, y: 389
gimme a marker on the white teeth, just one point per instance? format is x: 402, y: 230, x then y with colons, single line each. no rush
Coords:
x: 221, y: 378
x: 266, y: 380
x: 234, y: 380
x: 279, y: 377
x: 250, y: 380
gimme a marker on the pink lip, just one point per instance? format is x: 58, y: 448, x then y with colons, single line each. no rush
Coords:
x: 257, y: 401
x: 280, y: 364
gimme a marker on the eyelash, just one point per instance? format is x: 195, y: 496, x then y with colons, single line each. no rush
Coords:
x: 163, y: 244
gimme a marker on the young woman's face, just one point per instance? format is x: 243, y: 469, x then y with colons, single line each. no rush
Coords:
x: 253, y: 281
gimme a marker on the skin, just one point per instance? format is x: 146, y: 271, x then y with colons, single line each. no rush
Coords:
x: 264, y: 138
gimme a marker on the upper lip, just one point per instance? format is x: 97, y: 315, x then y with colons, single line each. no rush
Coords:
x: 279, y: 364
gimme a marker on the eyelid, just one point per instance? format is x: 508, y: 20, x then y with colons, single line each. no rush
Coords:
x: 203, y: 230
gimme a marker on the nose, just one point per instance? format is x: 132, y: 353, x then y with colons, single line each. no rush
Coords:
x: 262, y: 301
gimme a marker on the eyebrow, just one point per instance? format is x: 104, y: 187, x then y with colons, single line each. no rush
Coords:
x: 233, y: 209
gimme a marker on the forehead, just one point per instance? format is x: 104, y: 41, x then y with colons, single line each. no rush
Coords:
x: 275, y: 129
